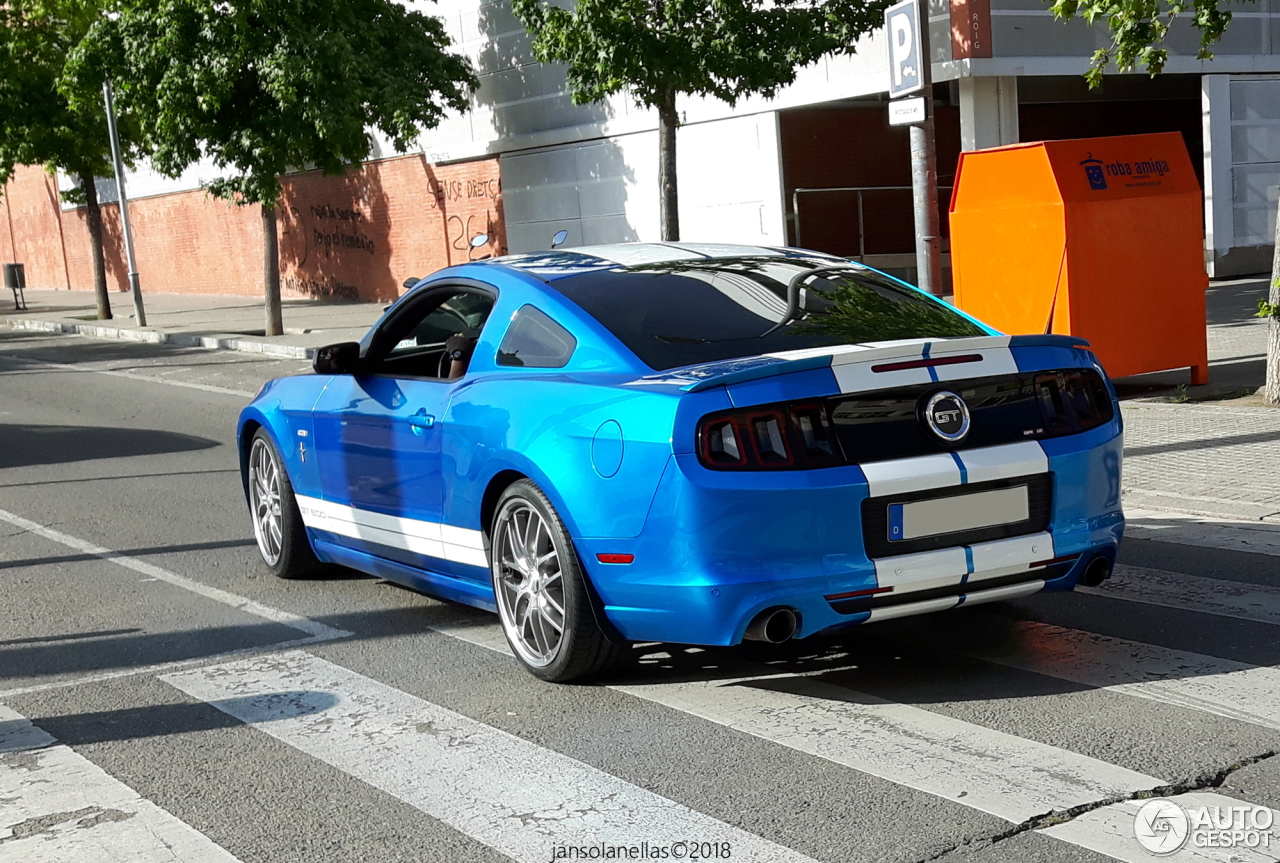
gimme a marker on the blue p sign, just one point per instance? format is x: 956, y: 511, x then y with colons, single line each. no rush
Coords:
x: 902, y: 26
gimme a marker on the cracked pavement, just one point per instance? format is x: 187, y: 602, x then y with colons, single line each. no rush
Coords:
x: 127, y: 720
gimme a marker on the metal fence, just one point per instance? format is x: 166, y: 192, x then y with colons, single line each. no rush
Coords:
x: 860, y: 190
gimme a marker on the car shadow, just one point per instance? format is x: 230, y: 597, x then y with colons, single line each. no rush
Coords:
x: 29, y: 445
x: 157, y: 720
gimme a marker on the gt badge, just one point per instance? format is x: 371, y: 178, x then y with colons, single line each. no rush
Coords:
x: 947, y: 416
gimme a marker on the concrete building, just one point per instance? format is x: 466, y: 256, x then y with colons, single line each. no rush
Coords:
x: 816, y: 166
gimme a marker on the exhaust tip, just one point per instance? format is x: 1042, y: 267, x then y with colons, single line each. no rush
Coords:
x: 1098, y: 571
x: 773, y: 625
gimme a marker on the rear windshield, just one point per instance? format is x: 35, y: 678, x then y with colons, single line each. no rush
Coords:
x: 688, y: 312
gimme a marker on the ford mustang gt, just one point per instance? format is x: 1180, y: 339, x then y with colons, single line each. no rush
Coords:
x: 687, y: 443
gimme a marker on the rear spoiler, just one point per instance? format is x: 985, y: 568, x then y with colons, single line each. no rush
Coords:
x: 726, y: 372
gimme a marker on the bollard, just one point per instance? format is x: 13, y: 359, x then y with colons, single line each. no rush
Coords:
x: 15, y: 279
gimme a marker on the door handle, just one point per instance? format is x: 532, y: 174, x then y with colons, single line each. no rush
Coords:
x: 422, y: 421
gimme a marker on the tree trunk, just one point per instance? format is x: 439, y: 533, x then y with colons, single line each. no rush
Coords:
x: 271, y: 271
x: 668, y: 120
x: 96, y: 256
x: 1271, y: 393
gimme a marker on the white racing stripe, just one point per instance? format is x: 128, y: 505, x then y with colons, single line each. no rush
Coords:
x: 499, y: 789
x: 313, y: 628
x: 1110, y: 831
x: 57, y: 806
x: 1024, y: 458
x: 427, y: 538
x: 904, y: 475
x: 1001, y: 774
x: 1234, y: 599
x: 948, y: 566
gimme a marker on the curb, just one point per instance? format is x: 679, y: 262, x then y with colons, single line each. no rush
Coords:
x: 1231, y: 510
x: 160, y: 337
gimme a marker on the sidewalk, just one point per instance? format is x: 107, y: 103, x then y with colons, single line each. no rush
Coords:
x: 195, y: 320
x: 1218, y: 459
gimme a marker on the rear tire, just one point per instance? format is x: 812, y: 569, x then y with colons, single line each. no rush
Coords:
x: 541, y: 591
x: 277, y: 523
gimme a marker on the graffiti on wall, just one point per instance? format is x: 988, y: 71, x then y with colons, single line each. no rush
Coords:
x: 361, y: 235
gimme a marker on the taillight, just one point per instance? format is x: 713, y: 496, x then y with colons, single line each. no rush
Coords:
x: 1073, y: 400
x: 773, y: 437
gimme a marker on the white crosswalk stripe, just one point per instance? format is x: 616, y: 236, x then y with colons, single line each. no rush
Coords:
x: 506, y: 792
x: 1109, y: 831
x: 1234, y: 599
x: 1007, y: 776
x: 56, y: 806
x: 1234, y: 690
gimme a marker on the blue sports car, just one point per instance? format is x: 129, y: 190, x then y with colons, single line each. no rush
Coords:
x: 688, y: 443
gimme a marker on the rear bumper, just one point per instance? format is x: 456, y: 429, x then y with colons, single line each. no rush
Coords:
x: 718, y: 548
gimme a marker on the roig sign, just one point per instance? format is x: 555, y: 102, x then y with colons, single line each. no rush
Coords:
x: 902, y: 24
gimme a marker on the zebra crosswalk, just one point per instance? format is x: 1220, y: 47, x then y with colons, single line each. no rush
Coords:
x: 521, y: 797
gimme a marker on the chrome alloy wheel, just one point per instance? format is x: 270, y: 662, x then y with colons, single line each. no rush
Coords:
x: 528, y: 583
x: 264, y: 499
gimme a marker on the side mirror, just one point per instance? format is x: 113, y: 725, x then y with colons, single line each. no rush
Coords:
x: 339, y: 359
x: 559, y: 238
x: 411, y: 281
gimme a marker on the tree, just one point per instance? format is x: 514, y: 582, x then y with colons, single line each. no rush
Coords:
x: 262, y: 86
x: 39, y: 125
x: 658, y: 49
x: 1138, y: 29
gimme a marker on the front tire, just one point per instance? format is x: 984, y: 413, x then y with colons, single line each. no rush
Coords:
x: 277, y: 523
x: 541, y: 591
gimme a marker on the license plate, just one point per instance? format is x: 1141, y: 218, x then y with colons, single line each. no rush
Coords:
x: 957, y: 513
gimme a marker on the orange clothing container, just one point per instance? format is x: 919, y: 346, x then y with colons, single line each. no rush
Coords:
x: 1100, y: 238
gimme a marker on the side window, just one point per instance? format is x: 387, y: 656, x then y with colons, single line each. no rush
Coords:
x: 413, y: 343
x: 463, y: 313
x: 535, y: 341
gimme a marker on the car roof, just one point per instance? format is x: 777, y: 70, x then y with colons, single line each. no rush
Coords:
x: 560, y: 263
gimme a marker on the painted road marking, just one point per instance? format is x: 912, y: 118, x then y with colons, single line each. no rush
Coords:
x: 1256, y: 537
x: 499, y: 789
x: 208, y: 388
x: 1109, y: 831
x: 997, y: 773
x: 318, y: 631
x: 56, y: 806
x: 1234, y: 599
x: 1222, y: 687
x: 1006, y: 776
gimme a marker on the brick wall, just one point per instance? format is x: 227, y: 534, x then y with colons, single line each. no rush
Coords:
x: 357, y: 236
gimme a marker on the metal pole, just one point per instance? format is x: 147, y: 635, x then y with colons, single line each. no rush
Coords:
x: 862, y: 230
x: 924, y: 174
x: 139, y: 312
x: 795, y: 213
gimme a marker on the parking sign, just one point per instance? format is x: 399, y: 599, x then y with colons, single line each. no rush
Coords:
x: 902, y: 24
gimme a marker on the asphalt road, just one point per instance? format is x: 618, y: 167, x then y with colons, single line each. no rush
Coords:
x: 162, y: 698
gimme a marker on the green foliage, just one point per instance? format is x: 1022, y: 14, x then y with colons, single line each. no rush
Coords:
x: 263, y: 86
x: 38, y: 122
x: 1138, y: 29
x: 860, y: 312
x: 722, y: 48
x: 1267, y: 310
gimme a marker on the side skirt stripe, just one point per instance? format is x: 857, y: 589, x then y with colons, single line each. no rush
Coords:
x: 430, y: 539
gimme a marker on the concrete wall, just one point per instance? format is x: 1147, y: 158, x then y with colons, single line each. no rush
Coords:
x: 606, y: 191
x: 1242, y: 171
